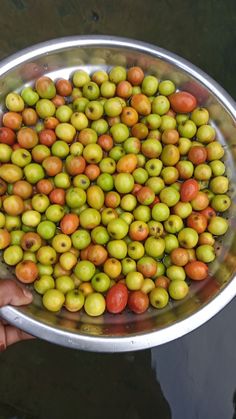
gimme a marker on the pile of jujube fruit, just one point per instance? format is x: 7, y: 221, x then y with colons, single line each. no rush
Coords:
x: 112, y: 190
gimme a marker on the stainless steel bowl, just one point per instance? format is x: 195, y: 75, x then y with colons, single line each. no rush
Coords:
x: 128, y: 332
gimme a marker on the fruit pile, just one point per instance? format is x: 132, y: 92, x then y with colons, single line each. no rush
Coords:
x: 112, y: 190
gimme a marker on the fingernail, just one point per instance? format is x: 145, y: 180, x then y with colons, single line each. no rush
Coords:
x: 2, y: 347
x: 27, y: 293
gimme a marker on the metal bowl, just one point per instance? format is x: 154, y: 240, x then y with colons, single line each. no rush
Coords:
x: 129, y: 332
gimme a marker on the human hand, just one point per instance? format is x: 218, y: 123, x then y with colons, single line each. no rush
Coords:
x: 13, y: 294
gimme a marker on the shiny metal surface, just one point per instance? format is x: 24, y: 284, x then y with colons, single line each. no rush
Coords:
x: 128, y: 332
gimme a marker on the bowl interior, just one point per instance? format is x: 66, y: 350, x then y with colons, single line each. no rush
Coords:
x: 60, y: 59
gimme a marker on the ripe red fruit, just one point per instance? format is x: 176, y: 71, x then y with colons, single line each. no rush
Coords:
x: 52, y: 165
x: 58, y: 100
x: 182, y: 102
x: 69, y: 223
x: 138, y: 230
x: 12, y: 120
x: 179, y: 256
x: 7, y: 136
x: 75, y: 165
x: 141, y: 104
x: 26, y: 271
x: 138, y: 302
x: 105, y: 141
x: 147, y: 266
x: 189, y: 190
x: 31, y: 241
x: 47, y: 137
x: 58, y: 196
x: 64, y: 87
x: 145, y: 195
x: 124, y: 89
x: 117, y: 298
x: 197, y: 221
x: 196, y: 270
x: 44, y: 186
x: 27, y: 137
x: 135, y: 75
x: 51, y: 122
x: 162, y: 281
x: 97, y: 255
x: 197, y: 155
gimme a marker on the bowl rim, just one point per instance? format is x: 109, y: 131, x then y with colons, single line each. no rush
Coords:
x: 143, y: 340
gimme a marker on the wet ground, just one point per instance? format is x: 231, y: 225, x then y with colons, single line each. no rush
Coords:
x: 195, y: 376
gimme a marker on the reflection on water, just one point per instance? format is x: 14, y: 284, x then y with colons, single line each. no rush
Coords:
x: 197, y: 373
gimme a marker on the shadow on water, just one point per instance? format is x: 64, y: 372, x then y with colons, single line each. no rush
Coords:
x: 42, y: 381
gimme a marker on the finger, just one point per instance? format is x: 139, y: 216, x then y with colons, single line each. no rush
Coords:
x: 14, y: 294
x: 14, y: 335
x: 3, y: 342
x: 10, y: 335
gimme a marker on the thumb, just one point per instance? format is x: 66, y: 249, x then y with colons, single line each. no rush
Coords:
x: 13, y: 294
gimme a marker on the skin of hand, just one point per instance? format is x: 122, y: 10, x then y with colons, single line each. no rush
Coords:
x: 12, y: 294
